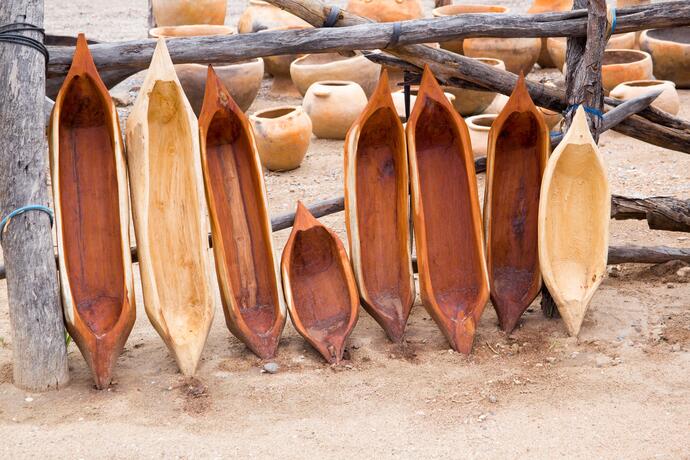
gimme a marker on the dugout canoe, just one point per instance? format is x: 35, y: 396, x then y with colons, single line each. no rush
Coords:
x: 241, y: 227
x: 445, y: 209
x: 320, y: 287
x: 377, y: 212
x: 518, y: 149
x: 91, y: 200
x: 574, y: 214
x: 169, y: 212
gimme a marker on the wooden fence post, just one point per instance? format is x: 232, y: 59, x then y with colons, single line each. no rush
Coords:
x: 38, y: 334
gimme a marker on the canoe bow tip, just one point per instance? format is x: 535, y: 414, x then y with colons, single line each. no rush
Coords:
x: 463, y: 336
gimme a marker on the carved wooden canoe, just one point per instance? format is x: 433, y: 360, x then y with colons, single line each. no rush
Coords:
x: 320, y: 288
x: 574, y: 213
x: 240, y: 224
x: 89, y: 179
x: 518, y: 149
x: 168, y: 209
x: 445, y: 209
x: 377, y: 210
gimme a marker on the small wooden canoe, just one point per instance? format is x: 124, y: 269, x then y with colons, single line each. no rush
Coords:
x: 89, y: 179
x: 377, y: 210
x: 574, y: 214
x: 518, y: 149
x: 168, y: 203
x: 240, y: 224
x: 320, y: 288
x: 445, y: 208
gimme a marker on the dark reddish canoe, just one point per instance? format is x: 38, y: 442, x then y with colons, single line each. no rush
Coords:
x: 377, y: 210
x: 320, y: 288
x: 92, y: 213
x: 447, y: 223
x: 516, y: 157
x: 241, y: 228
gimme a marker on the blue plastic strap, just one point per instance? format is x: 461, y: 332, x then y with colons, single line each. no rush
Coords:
x: 332, y: 17
x: 614, y: 20
x: 590, y: 110
x: 22, y: 210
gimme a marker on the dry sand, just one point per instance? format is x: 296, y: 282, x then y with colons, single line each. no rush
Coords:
x: 620, y: 391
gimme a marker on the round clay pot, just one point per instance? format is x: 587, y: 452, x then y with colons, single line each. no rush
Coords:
x: 479, y: 126
x: 279, y: 67
x: 470, y: 102
x: 242, y: 80
x: 518, y: 54
x: 311, y: 68
x: 333, y: 106
x: 197, y: 30
x: 548, y: 6
x: 550, y: 117
x: 668, y: 101
x: 399, y: 99
x: 261, y: 15
x: 670, y: 50
x: 627, y: 3
x: 625, y: 65
x: 557, y: 46
x: 180, y: 12
x: 282, y: 137
x: 387, y: 10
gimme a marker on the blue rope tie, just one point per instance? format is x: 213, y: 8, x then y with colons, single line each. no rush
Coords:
x: 614, y: 20
x: 332, y: 17
x: 590, y: 110
x: 22, y: 210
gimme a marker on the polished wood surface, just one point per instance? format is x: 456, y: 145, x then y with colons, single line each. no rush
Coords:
x: 518, y: 149
x: 169, y: 212
x: 574, y: 216
x: 445, y: 209
x: 320, y: 287
x: 377, y: 210
x: 89, y: 179
x: 240, y: 224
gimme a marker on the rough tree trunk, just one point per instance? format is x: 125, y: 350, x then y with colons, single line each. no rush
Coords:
x: 38, y: 334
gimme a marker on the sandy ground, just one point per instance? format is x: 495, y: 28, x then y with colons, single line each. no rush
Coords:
x: 619, y: 391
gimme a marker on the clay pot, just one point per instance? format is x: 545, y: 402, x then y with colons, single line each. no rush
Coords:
x: 470, y: 102
x: 668, y: 101
x: 479, y: 126
x: 311, y: 68
x: 625, y: 65
x: 262, y: 15
x: 242, y: 79
x: 181, y: 12
x: 198, y: 30
x: 333, y: 106
x: 627, y: 3
x: 518, y: 54
x: 279, y: 68
x: 557, y: 46
x: 670, y: 50
x: 548, y: 6
x: 282, y: 137
x: 399, y: 100
x: 387, y: 10
x: 550, y: 117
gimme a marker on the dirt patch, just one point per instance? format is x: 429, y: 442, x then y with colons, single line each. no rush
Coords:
x: 6, y: 373
x: 196, y: 396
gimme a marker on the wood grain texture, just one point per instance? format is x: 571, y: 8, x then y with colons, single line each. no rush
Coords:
x: 574, y: 216
x: 660, y: 212
x: 237, y: 203
x: 91, y: 200
x: 517, y: 152
x: 447, y: 222
x: 377, y: 212
x: 320, y: 287
x: 39, y: 356
x: 168, y: 209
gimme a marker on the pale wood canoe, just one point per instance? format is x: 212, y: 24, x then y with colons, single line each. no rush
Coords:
x: 320, y: 287
x: 89, y: 179
x: 169, y: 212
x: 518, y: 149
x: 447, y: 223
x: 377, y: 212
x: 241, y: 227
x: 574, y: 214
